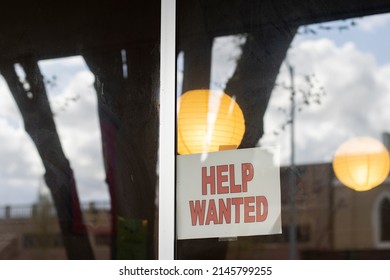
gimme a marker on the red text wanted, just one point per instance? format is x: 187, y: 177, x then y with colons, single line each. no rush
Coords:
x: 220, y: 179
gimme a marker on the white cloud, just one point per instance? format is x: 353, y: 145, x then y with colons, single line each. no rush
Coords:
x: 73, y: 100
x: 8, y: 108
x: 21, y: 168
x: 75, y: 108
x: 356, y: 101
x: 371, y: 23
x: 226, y: 51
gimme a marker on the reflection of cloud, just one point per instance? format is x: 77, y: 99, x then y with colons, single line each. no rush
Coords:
x: 8, y: 110
x: 373, y: 22
x: 77, y: 126
x: 226, y: 51
x: 20, y: 165
x: 357, y: 100
x: 63, y: 69
x: 179, y: 74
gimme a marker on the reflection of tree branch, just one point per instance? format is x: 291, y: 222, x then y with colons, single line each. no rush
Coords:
x: 34, y: 107
x: 313, y: 29
x: 129, y: 126
x: 255, y: 75
x: 304, y: 98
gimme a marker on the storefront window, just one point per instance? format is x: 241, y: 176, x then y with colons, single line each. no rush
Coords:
x: 79, y: 130
x: 306, y: 83
x: 281, y: 142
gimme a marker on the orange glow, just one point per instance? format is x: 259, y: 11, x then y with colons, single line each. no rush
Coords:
x: 361, y: 163
x: 208, y: 119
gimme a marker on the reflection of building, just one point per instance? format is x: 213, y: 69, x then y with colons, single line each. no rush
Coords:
x: 32, y: 232
x: 333, y: 222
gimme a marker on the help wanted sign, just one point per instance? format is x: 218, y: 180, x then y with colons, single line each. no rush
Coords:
x: 228, y: 193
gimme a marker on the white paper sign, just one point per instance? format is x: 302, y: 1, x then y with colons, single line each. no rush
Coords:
x: 228, y: 194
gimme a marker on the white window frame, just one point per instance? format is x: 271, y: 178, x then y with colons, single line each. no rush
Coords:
x: 377, y: 222
x: 166, y: 186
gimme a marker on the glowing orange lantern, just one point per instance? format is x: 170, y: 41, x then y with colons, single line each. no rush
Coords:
x: 207, y: 120
x: 361, y: 163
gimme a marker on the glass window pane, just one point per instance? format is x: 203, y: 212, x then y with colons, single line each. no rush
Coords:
x: 311, y: 83
x: 79, y: 119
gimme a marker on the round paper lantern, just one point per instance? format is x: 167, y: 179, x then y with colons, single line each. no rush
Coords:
x: 361, y: 163
x: 208, y: 120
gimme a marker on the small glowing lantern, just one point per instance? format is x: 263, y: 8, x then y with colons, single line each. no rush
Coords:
x: 207, y: 121
x: 361, y: 163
